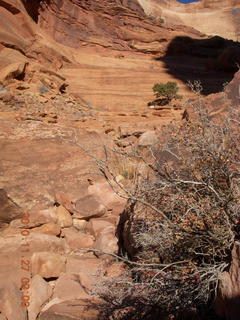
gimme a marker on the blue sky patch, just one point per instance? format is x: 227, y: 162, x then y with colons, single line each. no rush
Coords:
x: 187, y: 1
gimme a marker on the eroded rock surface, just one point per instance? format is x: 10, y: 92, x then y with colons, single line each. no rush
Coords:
x: 220, y: 16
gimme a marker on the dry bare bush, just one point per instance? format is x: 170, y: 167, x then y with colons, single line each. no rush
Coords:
x: 122, y: 165
x: 185, y: 217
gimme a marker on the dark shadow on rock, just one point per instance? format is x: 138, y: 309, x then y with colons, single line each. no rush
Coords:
x: 229, y: 308
x: 233, y: 308
x: 213, y: 61
x: 158, y: 102
x: 33, y: 7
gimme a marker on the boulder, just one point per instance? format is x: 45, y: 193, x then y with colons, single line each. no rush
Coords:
x: 48, y: 264
x: 71, y: 310
x: 64, y: 218
x: 68, y: 287
x: 37, y: 218
x: 12, y: 243
x: 88, y: 271
x: 68, y: 199
x: 105, y: 194
x: 51, y: 303
x: 77, y: 239
x: 106, y: 241
x: 11, y: 300
x: 148, y: 138
x: 89, y: 207
x: 95, y: 226
x: 40, y: 292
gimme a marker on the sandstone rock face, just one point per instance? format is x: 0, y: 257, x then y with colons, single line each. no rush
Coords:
x: 18, y: 46
x: 88, y: 270
x: 11, y: 242
x: 10, y: 301
x: 78, y: 265
x: 37, y: 218
x: 8, y: 209
x: 220, y: 17
x: 48, y: 154
x: 116, y: 24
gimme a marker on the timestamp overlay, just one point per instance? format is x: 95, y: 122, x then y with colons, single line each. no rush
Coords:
x: 25, y: 249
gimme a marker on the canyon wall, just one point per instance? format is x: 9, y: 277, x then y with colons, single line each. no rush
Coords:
x: 119, y: 25
x: 211, y: 17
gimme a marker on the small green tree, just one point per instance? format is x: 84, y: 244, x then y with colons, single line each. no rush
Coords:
x: 167, y: 90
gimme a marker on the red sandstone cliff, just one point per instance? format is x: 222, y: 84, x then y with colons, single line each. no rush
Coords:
x: 220, y: 17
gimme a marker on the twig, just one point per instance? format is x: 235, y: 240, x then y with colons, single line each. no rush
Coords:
x: 129, y: 261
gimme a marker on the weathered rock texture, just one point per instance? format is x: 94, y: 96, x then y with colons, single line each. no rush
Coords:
x: 117, y: 24
x: 212, y: 17
x: 26, y: 53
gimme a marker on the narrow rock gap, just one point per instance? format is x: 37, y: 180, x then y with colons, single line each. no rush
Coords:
x: 32, y: 8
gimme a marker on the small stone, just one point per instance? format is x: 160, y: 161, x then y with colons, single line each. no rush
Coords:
x: 109, y: 130
x: 89, y: 207
x: 122, y: 144
x: 148, y: 138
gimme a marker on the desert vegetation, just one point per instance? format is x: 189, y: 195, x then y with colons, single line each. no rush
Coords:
x: 167, y: 90
x: 181, y: 222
